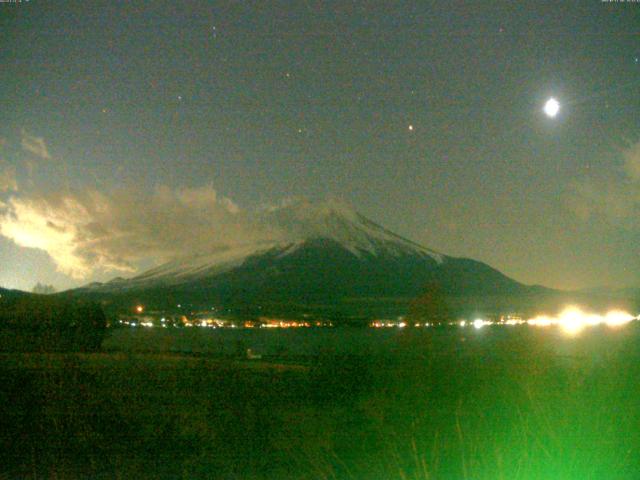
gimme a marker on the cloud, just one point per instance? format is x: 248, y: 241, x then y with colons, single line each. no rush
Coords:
x: 8, y: 180
x: 614, y: 198
x: 35, y: 145
x: 90, y: 231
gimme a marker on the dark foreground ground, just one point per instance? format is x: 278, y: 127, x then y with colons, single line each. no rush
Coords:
x: 491, y: 404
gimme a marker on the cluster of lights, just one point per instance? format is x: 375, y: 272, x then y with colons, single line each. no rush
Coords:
x: 271, y: 323
x: 208, y: 323
x: 183, y: 321
x: 400, y: 323
x: 286, y: 324
x: 571, y: 320
x: 477, y: 323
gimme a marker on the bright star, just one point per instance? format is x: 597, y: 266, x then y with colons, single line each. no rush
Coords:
x: 552, y: 107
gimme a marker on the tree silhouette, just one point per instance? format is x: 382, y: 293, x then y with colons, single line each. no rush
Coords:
x: 43, y: 289
x: 430, y: 306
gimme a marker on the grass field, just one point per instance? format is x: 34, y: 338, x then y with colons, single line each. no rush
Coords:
x: 493, y: 404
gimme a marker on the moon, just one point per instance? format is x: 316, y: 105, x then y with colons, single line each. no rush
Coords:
x: 551, y: 108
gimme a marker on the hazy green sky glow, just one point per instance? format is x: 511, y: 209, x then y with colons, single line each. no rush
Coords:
x: 266, y: 100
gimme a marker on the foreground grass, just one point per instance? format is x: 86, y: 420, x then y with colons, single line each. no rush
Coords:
x: 513, y: 408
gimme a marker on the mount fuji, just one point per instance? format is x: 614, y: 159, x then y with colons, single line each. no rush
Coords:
x: 323, y: 252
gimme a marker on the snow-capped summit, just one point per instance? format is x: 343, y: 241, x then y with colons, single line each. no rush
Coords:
x: 333, y: 219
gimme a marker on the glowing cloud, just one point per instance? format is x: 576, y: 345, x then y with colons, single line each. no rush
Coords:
x: 35, y: 145
x: 91, y: 231
x: 53, y: 230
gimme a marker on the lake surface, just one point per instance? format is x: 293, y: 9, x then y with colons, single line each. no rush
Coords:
x: 594, y: 342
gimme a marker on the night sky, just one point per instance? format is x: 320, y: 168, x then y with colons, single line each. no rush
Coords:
x: 122, y: 123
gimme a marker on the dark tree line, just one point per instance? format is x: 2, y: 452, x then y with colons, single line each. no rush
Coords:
x: 50, y: 323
